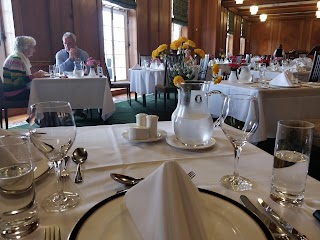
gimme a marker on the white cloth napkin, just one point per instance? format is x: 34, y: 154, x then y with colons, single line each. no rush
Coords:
x: 161, y: 66
x: 136, y: 67
x: 153, y: 65
x: 167, y: 205
x: 283, y: 79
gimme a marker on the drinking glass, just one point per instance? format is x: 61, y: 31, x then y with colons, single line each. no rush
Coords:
x: 239, y: 119
x: 19, y: 215
x: 52, y: 130
x: 291, y: 161
x: 262, y: 73
x: 52, y: 69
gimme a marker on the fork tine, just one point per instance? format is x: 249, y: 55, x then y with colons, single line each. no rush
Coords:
x: 192, y: 174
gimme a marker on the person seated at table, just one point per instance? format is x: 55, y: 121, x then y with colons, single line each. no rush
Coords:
x: 17, y: 70
x: 66, y: 57
x: 279, y: 52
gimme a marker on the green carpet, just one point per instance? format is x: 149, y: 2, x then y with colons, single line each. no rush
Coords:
x: 125, y: 113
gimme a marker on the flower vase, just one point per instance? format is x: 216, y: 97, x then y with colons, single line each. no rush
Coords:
x: 92, y: 72
x: 233, y: 78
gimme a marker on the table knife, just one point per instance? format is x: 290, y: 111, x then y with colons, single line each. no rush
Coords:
x: 272, y: 224
x: 280, y: 220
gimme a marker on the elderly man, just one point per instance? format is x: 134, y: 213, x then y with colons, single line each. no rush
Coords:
x: 65, y: 57
x: 17, y: 70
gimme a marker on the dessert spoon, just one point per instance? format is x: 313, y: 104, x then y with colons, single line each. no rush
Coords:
x: 79, y: 156
x: 126, y: 180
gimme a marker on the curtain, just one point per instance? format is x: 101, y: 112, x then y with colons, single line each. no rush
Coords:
x: 231, y: 23
x: 131, y: 4
x: 244, y: 28
x: 180, y: 12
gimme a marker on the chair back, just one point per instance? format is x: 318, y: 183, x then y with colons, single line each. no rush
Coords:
x: 143, y: 57
x: 315, y: 69
x: 203, y: 67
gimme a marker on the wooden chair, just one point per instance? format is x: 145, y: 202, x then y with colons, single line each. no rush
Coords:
x: 120, y: 84
x: 166, y: 89
x: 315, y: 69
x: 7, y: 104
x: 203, y: 67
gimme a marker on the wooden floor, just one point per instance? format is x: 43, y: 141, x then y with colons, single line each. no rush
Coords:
x: 15, y: 120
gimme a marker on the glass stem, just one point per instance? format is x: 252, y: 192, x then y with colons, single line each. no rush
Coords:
x: 237, y: 152
x: 57, y: 167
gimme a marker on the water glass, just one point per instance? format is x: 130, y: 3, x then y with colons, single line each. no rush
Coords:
x: 291, y: 161
x: 52, y: 70
x: 18, y: 206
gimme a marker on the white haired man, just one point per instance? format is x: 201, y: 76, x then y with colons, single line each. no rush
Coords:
x: 65, y: 57
x: 17, y: 70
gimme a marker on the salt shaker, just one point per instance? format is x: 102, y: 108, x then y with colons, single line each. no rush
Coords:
x: 141, y: 119
x: 152, y: 124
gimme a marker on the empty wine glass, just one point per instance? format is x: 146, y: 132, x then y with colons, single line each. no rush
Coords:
x: 239, y: 120
x: 262, y: 73
x: 52, y: 130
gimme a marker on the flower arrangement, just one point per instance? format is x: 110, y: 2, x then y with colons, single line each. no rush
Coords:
x: 215, y: 70
x: 93, y: 63
x: 234, y: 66
x: 181, y: 48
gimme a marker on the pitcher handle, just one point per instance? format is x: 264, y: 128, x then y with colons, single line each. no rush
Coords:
x: 217, y: 122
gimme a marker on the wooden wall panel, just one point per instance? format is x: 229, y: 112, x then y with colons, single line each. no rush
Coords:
x: 315, y: 34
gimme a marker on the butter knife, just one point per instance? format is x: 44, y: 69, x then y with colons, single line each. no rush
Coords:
x: 279, y: 219
x: 271, y: 223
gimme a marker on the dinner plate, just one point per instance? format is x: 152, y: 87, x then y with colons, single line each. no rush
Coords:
x: 174, y: 142
x: 160, y: 135
x: 293, y: 86
x: 40, y: 169
x: 245, y: 82
x: 224, y: 219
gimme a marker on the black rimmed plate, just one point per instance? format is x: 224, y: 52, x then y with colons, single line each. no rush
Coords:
x: 225, y: 219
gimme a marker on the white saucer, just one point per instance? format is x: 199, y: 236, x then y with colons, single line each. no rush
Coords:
x: 293, y: 86
x: 161, y: 134
x: 246, y: 82
x: 174, y: 142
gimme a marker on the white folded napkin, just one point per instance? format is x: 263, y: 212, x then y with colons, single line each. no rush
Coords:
x: 136, y: 67
x: 161, y: 66
x: 283, y: 79
x: 167, y: 205
x: 153, y: 65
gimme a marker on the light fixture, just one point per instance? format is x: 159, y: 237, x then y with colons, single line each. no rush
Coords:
x: 318, y: 14
x: 254, y: 9
x: 318, y: 5
x: 263, y: 17
x: 239, y: 1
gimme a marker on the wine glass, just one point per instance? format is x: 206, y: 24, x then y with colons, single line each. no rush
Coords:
x: 262, y: 73
x: 239, y: 120
x: 52, y: 130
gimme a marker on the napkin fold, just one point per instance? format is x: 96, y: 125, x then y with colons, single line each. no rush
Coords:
x: 283, y: 79
x: 161, y: 66
x: 167, y: 205
x: 136, y: 67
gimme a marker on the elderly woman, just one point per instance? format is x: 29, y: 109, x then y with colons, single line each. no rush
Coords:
x: 16, y: 70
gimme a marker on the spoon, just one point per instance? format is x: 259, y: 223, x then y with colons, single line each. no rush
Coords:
x: 79, y: 156
x: 126, y: 180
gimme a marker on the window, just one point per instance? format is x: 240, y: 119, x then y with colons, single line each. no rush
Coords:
x: 176, y: 31
x: 115, y: 41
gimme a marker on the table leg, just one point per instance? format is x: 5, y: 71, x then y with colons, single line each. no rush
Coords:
x: 144, y: 102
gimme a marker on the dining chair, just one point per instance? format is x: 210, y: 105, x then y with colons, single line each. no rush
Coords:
x: 315, y: 69
x: 8, y: 104
x: 166, y: 88
x: 203, y: 67
x: 120, y: 84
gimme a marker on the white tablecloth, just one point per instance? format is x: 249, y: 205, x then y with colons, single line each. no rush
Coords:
x: 274, y: 104
x: 302, y: 76
x: 143, y: 81
x: 86, y: 92
x: 109, y: 152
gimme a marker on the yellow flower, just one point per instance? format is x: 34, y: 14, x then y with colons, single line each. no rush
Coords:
x: 155, y: 54
x: 182, y: 39
x: 199, y: 52
x: 162, y: 47
x: 191, y: 43
x: 217, y: 80
x: 178, y: 80
x: 175, y: 44
x: 215, y: 69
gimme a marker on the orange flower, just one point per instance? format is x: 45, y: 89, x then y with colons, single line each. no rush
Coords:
x: 183, y: 39
x: 189, y: 44
x: 162, y: 47
x: 217, y: 80
x: 178, y: 80
x: 155, y: 54
x: 175, y: 45
x: 215, y: 69
x: 199, y: 52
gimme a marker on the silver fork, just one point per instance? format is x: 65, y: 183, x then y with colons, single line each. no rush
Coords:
x: 52, y: 232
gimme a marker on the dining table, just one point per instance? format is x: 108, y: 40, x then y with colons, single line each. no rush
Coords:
x: 302, y: 76
x: 299, y: 102
x: 144, y: 80
x: 110, y: 151
x: 81, y: 92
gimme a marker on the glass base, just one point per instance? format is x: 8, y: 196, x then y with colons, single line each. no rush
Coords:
x: 60, y: 203
x: 237, y: 184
